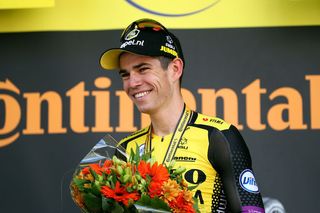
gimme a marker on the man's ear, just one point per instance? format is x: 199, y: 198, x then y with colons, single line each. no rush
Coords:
x: 176, y: 66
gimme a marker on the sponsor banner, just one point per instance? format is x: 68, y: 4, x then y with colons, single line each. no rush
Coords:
x: 114, y: 14
x: 23, y: 108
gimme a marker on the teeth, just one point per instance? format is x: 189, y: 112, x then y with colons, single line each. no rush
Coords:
x: 141, y: 94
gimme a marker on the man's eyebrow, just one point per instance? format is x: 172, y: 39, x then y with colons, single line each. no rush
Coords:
x: 124, y: 71
x: 140, y: 65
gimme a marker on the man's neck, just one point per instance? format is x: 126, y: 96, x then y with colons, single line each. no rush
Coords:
x: 165, y: 121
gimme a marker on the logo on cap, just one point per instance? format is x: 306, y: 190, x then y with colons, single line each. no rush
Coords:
x: 169, y: 39
x: 132, y: 34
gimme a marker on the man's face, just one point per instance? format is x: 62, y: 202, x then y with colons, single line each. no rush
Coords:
x: 147, y: 84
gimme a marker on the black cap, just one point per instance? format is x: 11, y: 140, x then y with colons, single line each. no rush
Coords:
x: 143, y: 37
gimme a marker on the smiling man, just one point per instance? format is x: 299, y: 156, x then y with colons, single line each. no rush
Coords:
x: 151, y: 64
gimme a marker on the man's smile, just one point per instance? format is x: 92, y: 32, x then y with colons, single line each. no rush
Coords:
x: 141, y: 94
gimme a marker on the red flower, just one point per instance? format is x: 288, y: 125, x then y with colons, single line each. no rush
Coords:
x: 97, y: 168
x: 157, y: 173
x: 143, y: 168
x: 155, y: 189
x: 107, y: 164
x: 119, y: 194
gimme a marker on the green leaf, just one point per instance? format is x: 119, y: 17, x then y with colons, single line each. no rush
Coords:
x: 95, y: 189
x: 147, y: 155
x: 79, y: 183
x: 94, y: 174
x: 190, y: 188
x: 107, y: 204
x: 110, y: 205
x: 130, y: 189
x: 117, y: 208
x: 104, y: 176
x: 155, y: 203
x: 92, y: 202
x: 131, y: 209
x: 196, y: 204
x: 136, y: 157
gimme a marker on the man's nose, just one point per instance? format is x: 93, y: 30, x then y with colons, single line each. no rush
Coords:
x: 134, y: 80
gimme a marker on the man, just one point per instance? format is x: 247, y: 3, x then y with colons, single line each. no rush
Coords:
x: 151, y: 63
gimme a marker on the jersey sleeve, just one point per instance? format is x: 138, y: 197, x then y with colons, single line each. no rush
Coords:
x: 231, y: 158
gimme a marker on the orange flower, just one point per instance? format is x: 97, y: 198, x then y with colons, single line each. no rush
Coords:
x: 187, y: 196
x: 119, y: 194
x: 76, y: 195
x: 170, y: 190
x: 181, y: 205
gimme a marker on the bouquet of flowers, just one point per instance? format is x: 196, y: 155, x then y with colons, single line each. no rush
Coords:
x: 107, y: 180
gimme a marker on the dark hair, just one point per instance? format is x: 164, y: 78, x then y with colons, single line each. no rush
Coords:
x: 165, y: 61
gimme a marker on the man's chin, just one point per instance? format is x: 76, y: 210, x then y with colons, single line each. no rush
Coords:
x: 144, y: 109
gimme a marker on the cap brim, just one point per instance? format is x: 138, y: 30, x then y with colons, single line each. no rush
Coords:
x: 110, y: 59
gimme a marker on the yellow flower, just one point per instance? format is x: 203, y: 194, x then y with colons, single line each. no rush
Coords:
x: 89, y: 177
x: 170, y: 190
x: 184, y: 184
x: 187, y: 195
x: 76, y: 195
x: 87, y: 185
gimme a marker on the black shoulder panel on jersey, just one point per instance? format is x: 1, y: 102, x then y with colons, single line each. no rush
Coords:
x: 230, y: 155
x: 133, y: 136
x: 194, y: 117
x: 221, y: 158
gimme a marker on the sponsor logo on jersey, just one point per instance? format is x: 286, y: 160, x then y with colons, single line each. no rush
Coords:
x: 185, y: 159
x: 183, y: 143
x: 221, y: 202
x: 214, y: 120
x: 183, y: 147
x: 248, y: 182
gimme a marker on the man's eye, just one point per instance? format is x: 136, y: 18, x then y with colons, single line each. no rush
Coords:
x: 142, y: 69
x: 124, y: 75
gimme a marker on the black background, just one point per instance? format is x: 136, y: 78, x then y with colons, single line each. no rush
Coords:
x: 36, y: 169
